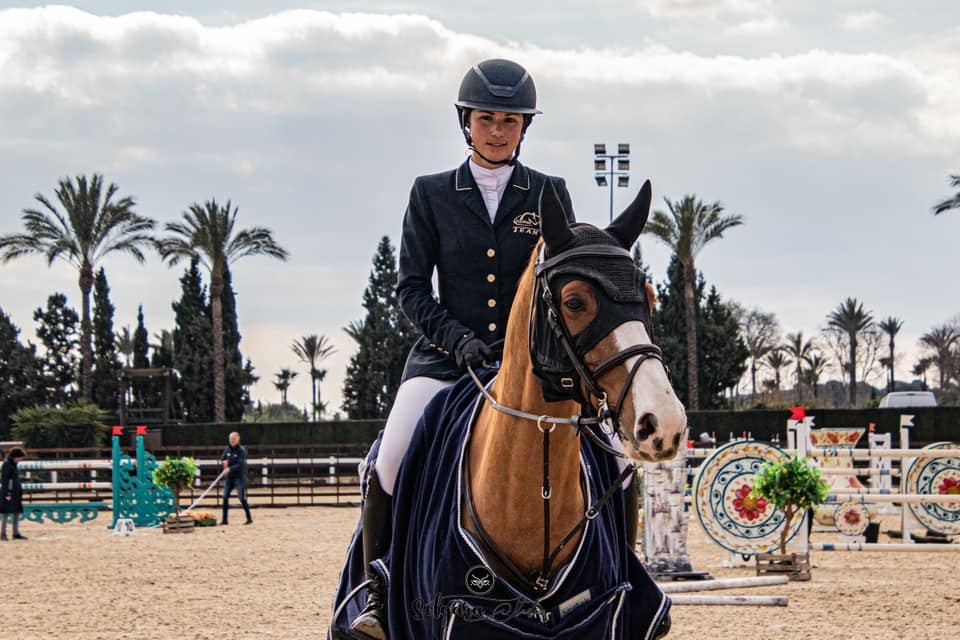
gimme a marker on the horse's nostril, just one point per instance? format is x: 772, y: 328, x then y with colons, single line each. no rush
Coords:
x: 658, y: 444
x: 646, y: 426
x: 676, y: 441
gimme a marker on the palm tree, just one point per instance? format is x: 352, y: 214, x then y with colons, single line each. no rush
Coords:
x: 852, y: 319
x: 816, y: 367
x: 311, y: 350
x: 92, y: 225
x: 690, y: 227
x: 282, y: 383
x: 777, y: 360
x: 800, y: 350
x: 891, y: 326
x: 920, y: 369
x: 208, y: 234
x: 949, y: 203
x: 941, y: 340
x: 320, y: 404
x: 125, y: 345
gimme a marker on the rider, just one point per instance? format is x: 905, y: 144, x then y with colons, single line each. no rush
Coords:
x: 477, y: 226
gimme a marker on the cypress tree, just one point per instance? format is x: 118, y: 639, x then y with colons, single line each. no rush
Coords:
x: 232, y: 358
x: 720, y: 350
x: 106, y: 362
x: 193, y: 347
x: 383, y: 339
x: 141, y: 360
x: 21, y: 382
x: 57, y: 330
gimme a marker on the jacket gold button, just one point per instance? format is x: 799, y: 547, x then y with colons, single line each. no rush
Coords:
x: 491, y: 278
x: 491, y: 253
x: 492, y: 327
x: 491, y: 303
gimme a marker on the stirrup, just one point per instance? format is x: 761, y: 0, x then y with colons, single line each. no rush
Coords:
x: 372, y: 621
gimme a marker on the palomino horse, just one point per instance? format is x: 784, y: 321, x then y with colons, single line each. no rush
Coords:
x: 508, y: 511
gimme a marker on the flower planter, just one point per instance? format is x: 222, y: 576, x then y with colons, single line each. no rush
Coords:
x: 179, y: 524
x: 796, y: 566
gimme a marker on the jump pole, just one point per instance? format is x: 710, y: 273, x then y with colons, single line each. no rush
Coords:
x: 718, y: 585
x: 883, y: 547
x: 726, y: 601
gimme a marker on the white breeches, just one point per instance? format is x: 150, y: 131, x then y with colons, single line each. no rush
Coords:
x: 412, y: 398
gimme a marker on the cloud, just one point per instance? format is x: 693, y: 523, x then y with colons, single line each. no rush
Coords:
x: 705, y: 8
x: 760, y: 26
x: 315, y: 124
x: 867, y: 21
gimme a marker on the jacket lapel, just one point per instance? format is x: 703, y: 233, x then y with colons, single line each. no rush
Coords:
x: 517, y: 191
x: 469, y: 193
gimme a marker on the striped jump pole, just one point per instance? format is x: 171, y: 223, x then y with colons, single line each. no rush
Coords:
x: 883, y: 547
x: 718, y: 585
x: 726, y: 601
x: 865, y: 454
x: 907, y: 498
x: 64, y: 465
x: 64, y: 486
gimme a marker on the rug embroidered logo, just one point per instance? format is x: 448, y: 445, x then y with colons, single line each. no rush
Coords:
x: 479, y: 580
x: 527, y: 222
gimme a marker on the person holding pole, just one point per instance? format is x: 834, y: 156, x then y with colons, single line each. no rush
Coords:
x: 234, y: 460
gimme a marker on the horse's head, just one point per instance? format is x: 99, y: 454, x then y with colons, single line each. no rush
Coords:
x: 592, y: 330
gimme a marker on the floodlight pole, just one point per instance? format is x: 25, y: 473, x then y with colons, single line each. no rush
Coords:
x: 608, y: 172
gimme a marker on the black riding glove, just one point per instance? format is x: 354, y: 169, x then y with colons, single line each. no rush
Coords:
x: 472, y: 351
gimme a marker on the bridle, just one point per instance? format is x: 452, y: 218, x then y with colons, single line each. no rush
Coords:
x: 585, y: 393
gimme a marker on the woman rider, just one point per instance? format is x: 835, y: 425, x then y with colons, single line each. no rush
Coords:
x: 477, y: 226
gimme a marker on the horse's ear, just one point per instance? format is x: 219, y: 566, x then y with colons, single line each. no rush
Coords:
x: 553, y: 219
x: 629, y: 224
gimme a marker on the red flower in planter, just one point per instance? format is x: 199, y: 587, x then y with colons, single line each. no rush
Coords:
x: 747, y: 506
x: 950, y: 487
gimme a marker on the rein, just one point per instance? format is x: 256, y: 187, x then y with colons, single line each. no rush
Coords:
x: 580, y: 424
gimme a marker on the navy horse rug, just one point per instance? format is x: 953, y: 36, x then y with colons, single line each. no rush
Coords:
x: 441, y: 584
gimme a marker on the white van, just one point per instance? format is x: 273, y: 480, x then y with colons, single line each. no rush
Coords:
x: 908, y: 399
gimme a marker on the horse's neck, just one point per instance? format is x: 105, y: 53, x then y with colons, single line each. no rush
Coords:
x: 506, y: 468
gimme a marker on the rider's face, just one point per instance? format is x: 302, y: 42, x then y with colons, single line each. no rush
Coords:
x: 495, y: 135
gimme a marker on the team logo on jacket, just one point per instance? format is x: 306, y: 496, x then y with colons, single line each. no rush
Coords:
x: 527, y: 222
x: 479, y: 580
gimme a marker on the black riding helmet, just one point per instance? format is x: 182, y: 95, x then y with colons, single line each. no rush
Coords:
x: 496, y: 85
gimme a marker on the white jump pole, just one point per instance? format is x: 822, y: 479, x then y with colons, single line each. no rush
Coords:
x: 908, y: 498
x: 718, y: 585
x: 75, y: 486
x: 865, y: 454
x: 867, y: 547
x: 726, y: 601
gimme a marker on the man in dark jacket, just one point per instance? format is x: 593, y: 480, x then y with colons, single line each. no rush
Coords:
x: 11, y: 493
x: 235, y: 464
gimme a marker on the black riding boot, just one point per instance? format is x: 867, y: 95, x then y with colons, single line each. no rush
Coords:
x: 631, y: 498
x: 377, y: 514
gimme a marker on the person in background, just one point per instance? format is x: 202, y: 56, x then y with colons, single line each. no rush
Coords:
x: 11, y: 493
x: 235, y: 464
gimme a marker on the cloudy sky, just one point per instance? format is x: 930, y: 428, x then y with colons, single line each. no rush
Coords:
x: 831, y: 127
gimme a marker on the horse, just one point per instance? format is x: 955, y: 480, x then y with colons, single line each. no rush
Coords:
x: 509, y: 510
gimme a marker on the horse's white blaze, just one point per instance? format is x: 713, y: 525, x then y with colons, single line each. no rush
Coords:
x: 651, y: 393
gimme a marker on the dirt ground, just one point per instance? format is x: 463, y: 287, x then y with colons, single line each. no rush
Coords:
x: 276, y: 578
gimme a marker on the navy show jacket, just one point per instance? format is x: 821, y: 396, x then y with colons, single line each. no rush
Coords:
x: 478, y: 262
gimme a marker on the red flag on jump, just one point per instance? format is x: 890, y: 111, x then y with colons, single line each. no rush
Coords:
x: 141, y: 431
x: 798, y: 414
x: 118, y: 431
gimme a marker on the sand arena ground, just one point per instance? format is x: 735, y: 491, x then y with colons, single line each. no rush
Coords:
x: 276, y: 579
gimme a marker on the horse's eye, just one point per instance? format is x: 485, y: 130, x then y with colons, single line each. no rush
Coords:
x: 574, y: 304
